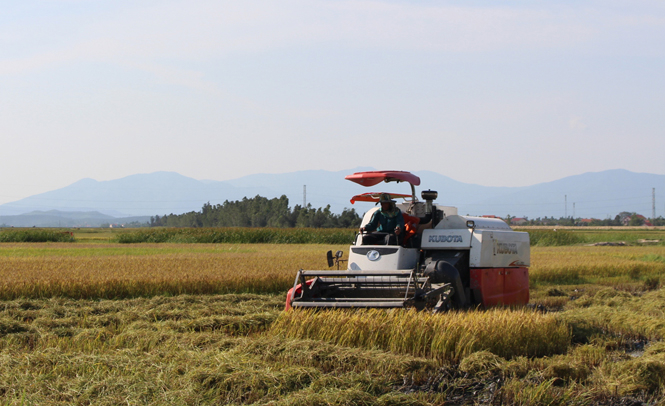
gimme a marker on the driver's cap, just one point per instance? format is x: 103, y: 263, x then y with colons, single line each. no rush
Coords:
x: 385, y: 198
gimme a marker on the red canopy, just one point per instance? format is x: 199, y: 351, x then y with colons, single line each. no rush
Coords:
x: 374, y: 197
x: 374, y: 177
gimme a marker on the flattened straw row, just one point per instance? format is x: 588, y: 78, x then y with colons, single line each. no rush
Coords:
x: 447, y: 337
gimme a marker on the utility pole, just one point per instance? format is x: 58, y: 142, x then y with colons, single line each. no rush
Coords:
x: 565, y: 200
x: 304, y: 196
x: 573, y: 209
x: 653, y: 203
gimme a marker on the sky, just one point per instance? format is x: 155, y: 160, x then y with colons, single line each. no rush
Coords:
x: 496, y: 93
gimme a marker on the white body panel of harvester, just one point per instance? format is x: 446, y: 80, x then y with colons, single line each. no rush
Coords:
x: 499, y: 249
x: 382, y: 258
x: 491, y: 244
x: 444, y: 238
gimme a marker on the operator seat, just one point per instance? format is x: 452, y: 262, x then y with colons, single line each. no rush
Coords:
x: 379, y: 238
x: 410, y: 230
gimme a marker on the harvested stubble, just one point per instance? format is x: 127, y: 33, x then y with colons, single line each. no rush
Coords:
x: 90, y: 271
x: 618, y: 313
x: 156, y: 351
x: 152, y: 351
x: 445, y: 337
x: 69, y: 324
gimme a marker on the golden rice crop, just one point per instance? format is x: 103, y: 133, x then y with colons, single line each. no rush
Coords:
x: 84, y: 270
x: 446, y: 337
x: 115, y: 271
x: 591, y: 264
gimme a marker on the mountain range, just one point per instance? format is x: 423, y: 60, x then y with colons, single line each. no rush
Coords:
x: 593, y: 194
x: 57, y: 218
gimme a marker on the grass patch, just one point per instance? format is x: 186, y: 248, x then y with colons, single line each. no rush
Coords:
x: 238, y: 235
x: 589, y: 235
x: 653, y: 258
x: 35, y: 235
x: 552, y: 238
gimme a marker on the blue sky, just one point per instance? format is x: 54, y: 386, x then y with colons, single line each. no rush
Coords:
x: 496, y: 93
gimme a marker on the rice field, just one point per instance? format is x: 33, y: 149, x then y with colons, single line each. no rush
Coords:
x: 595, y: 265
x: 93, y: 270
x: 98, y: 322
x: 115, y: 271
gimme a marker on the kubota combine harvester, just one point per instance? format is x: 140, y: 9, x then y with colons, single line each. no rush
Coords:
x: 442, y: 260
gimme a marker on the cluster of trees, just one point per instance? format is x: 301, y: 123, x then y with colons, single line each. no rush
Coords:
x: 259, y: 212
x: 623, y: 218
x: 263, y: 212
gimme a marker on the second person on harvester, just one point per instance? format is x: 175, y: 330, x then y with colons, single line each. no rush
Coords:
x: 387, y: 222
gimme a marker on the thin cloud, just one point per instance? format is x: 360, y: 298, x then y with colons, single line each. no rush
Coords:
x: 207, y: 30
x: 176, y: 76
x: 575, y: 123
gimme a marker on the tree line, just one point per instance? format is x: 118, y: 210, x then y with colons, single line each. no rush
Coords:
x: 621, y: 219
x: 259, y: 212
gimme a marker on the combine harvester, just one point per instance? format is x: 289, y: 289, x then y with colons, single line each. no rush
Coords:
x: 442, y: 261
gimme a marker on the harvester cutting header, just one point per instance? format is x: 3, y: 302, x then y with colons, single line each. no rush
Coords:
x: 419, y: 254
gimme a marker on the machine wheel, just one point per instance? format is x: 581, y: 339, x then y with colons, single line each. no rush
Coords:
x: 444, y: 272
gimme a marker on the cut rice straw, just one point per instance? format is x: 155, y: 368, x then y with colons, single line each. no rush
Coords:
x: 445, y: 337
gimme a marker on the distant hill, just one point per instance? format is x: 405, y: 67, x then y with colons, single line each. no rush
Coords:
x: 56, y: 218
x: 593, y: 194
x: 589, y: 195
x: 135, y: 195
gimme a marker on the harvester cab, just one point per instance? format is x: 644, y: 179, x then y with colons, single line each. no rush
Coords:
x: 442, y: 260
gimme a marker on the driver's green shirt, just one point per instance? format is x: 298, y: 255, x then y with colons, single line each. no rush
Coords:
x: 385, y: 223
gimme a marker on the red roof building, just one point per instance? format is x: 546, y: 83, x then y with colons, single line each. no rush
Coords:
x: 518, y: 221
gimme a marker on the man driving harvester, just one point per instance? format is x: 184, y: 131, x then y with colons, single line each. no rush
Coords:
x: 388, y: 224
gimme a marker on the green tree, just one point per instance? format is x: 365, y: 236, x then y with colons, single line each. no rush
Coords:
x: 259, y: 212
x: 636, y: 220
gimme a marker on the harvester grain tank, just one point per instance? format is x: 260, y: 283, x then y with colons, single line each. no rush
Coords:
x: 441, y: 260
